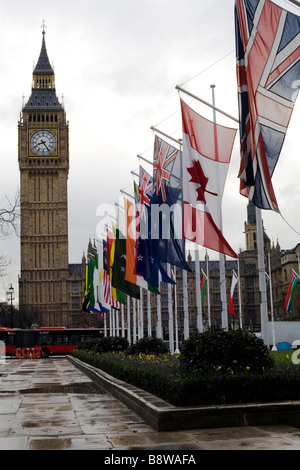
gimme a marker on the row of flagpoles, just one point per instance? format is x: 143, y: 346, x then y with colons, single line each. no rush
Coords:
x: 190, y: 177
x: 177, y: 181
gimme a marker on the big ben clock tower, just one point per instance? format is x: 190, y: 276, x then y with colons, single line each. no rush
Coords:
x: 44, y: 166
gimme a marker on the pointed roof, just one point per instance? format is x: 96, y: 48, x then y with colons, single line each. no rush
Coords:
x: 43, y: 64
x: 43, y: 95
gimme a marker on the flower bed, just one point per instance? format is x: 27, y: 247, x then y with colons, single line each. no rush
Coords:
x: 161, y: 375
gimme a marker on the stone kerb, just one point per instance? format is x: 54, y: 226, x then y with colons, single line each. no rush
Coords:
x: 165, y: 417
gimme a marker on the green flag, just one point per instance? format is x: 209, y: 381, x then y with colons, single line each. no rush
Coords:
x: 118, y: 269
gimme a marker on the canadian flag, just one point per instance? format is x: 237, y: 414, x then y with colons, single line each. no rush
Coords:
x: 207, y: 149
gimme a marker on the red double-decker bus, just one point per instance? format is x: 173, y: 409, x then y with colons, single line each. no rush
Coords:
x: 45, y: 341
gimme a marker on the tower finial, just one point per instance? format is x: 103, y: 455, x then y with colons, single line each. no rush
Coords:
x: 44, y: 26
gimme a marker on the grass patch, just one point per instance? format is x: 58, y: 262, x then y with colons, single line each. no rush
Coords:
x: 282, y: 356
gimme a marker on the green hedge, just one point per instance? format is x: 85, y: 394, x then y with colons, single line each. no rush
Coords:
x: 209, y: 389
x: 149, y: 345
x: 233, y: 350
x: 105, y: 344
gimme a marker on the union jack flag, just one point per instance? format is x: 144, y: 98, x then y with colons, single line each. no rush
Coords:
x: 163, y: 159
x: 167, y: 161
x: 145, y: 188
x: 268, y: 76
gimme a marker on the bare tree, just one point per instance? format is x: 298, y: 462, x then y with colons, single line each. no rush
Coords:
x: 9, y: 223
x: 3, y: 265
x: 10, y: 217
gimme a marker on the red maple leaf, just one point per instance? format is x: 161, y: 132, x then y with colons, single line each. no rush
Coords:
x: 199, y: 177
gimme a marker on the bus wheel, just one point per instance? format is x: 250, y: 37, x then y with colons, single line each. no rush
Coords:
x: 45, y: 353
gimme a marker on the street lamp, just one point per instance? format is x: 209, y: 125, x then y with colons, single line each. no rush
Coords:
x: 10, y: 293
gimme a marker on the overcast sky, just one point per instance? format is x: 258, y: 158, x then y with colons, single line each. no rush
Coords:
x: 117, y: 64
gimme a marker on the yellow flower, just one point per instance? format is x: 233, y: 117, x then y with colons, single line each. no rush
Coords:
x: 247, y: 368
x: 287, y: 356
x: 219, y: 368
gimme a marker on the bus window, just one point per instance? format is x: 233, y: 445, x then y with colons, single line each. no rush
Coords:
x: 11, y: 339
x: 61, y: 338
x: 44, y: 338
x: 74, y: 339
x: 86, y: 337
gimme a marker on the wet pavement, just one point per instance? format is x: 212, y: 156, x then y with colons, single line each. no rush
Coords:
x: 49, y: 404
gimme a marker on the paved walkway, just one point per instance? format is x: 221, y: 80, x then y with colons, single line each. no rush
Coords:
x: 48, y: 404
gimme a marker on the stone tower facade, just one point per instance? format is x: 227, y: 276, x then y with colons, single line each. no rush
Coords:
x: 43, y: 137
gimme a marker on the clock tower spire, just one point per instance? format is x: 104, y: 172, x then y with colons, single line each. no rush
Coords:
x: 43, y: 82
x: 44, y: 165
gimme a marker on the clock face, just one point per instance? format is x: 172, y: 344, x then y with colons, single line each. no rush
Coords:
x: 43, y: 142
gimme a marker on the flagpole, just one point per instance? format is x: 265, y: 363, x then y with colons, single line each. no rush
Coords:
x: 149, y: 313
x: 224, y: 314
x: 141, y: 313
x: 117, y: 323
x: 138, y: 319
x: 110, y: 323
x: 240, y: 296
x: 198, y: 290
x: 158, y: 304
x: 122, y: 321
x: 126, y: 194
x: 128, y: 321
x: 113, y: 323
x: 176, y: 314
x: 170, y: 312
x: 208, y: 289
x: 186, y: 323
x: 164, y: 134
x: 134, y: 319
x: 105, y: 325
x: 144, y: 159
x: 262, y: 282
x: 271, y: 301
x: 185, y: 305
x: 206, y: 103
x: 138, y: 323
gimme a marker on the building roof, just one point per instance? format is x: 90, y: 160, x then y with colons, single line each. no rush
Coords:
x: 43, y: 64
x: 43, y: 97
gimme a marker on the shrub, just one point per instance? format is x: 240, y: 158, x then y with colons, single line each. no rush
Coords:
x: 148, y: 345
x: 207, y: 389
x: 87, y: 345
x: 225, y: 351
x: 105, y: 344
